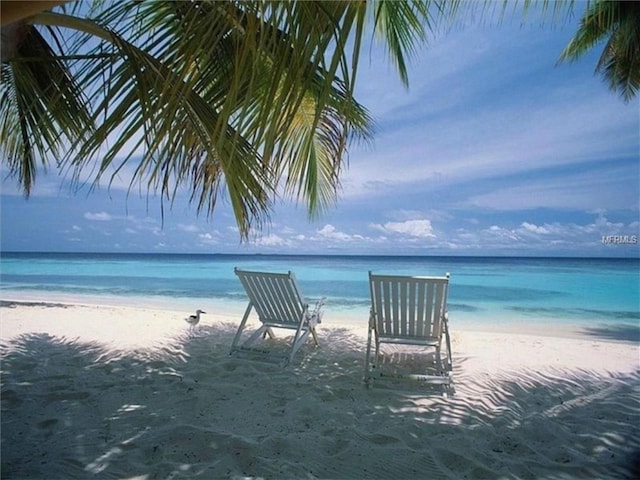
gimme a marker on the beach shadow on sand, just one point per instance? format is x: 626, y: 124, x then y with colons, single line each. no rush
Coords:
x: 189, y: 410
x: 622, y: 333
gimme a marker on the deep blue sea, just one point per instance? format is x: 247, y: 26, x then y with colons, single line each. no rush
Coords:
x: 491, y: 290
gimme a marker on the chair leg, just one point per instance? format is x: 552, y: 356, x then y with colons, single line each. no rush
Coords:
x: 449, y: 354
x: 372, y: 361
x: 299, y: 340
x: 236, y: 339
x: 439, y: 361
x: 367, y: 360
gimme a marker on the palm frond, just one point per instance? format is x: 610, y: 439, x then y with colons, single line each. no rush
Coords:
x: 401, y: 25
x: 619, y: 63
x: 599, y: 20
x: 42, y: 108
x: 258, y: 77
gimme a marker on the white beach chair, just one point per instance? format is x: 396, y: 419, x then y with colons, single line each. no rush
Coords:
x: 409, y: 311
x: 278, y: 303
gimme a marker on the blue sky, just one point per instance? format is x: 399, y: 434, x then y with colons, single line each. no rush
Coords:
x: 493, y: 150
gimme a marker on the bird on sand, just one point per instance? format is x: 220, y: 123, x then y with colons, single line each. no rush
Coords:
x: 193, y: 320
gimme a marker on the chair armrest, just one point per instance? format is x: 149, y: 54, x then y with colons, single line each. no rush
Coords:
x: 320, y: 303
x: 317, y: 311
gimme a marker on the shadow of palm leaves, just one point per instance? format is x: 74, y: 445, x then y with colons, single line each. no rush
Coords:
x: 189, y: 410
x: 622, y: 332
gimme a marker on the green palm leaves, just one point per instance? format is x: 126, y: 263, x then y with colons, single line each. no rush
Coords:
x: 247, y: 98
x: 42, y: 107
x: 619, y: 63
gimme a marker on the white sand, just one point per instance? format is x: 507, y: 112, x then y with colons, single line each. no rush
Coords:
x: 121, y: 392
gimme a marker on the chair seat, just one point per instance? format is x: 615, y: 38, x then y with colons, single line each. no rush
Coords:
x: 406, y: 340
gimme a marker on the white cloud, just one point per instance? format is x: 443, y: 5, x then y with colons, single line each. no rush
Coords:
x: 544, y: 237
x: 208, y: 238
x: 271, y: 240
x: 577, y: 233
x: 98, y: 217
x: 602, y: 222
x: 413, y: 228
x: 530, y: 227
x: 501, y: 233
x: 188, y: 228
x: 330, y: 232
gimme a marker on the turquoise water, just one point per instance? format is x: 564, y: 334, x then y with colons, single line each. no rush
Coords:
x: 579, y: 291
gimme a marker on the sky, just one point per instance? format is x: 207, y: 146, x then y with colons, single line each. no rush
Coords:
x: 494, y: 149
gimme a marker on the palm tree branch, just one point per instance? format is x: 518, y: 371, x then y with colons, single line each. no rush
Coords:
x: 155, y: 85
x: 619, y: 63
x: 594, y: 26
x: 45, y: 101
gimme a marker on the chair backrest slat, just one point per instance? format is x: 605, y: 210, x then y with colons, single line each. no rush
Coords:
x: 429, y: 310
x: 412, y: 307
x: 406, y: 307
x: 275, y: 296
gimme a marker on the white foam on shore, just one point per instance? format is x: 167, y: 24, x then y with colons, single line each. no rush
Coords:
x: 123, y: 392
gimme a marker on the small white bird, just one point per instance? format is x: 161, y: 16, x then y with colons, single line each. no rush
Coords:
x: 193, y: 320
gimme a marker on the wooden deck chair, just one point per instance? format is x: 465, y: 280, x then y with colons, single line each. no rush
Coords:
x: 278, y: 303
x: 408, y: 310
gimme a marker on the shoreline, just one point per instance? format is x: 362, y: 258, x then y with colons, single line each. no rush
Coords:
x: 128, y: 392
x: 352, y: 317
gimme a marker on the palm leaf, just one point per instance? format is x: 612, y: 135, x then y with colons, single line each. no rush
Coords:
x: 402, y: 25
x: 262, y: 103
x: 619, y: 63
x: 42, y: 107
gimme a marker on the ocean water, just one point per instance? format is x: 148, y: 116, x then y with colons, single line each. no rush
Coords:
x: 591, y: 293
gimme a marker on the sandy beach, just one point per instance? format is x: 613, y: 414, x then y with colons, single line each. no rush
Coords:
x: 121, y: 392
